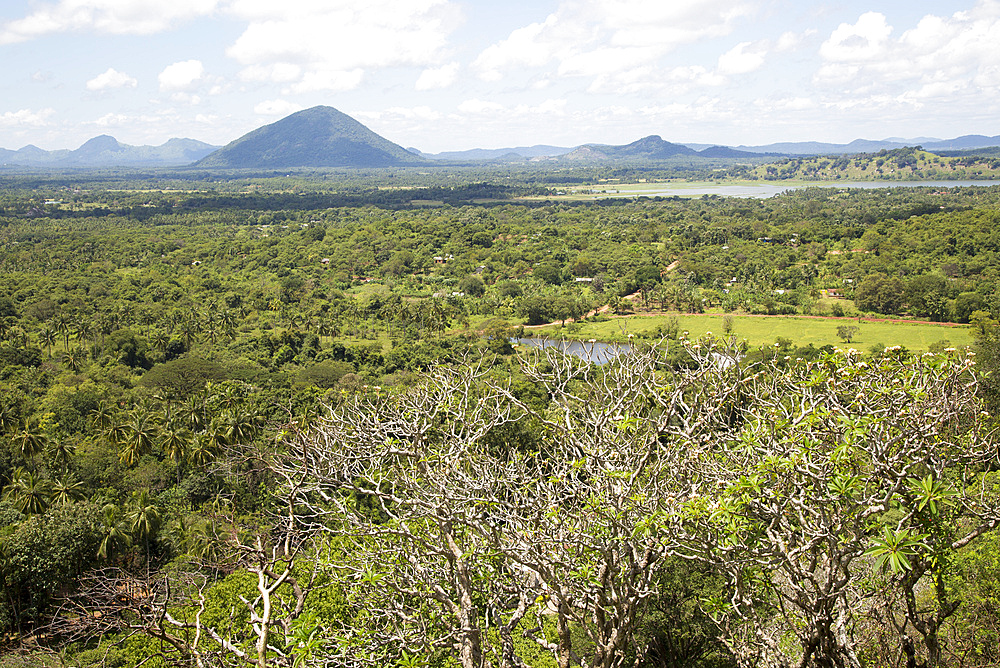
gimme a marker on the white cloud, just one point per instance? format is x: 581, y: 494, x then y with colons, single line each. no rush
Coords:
x: 742, y: 58
x: 421, y: 113
x: 948, y: 58
x: 602, y: 37
x: 277, y: 73
x: 476, y: 106
x: 786, y: 104
x: 438, y: 77
x: 135, y: 17
x: 111, y: 78
x: 864, y: 41
x: 26, y: 117
x: 276, y: 108
x: 182, y: 77
x: 790, y: 41
x: 331, y: 80
x: 330, y: 44
x: 112, y: 120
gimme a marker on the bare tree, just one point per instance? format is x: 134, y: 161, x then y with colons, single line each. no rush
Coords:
x: 796, y: 487
x: 172, y: 608
x: 802, y: 483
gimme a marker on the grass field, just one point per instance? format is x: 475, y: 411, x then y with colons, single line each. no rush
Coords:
x: 759, y: 331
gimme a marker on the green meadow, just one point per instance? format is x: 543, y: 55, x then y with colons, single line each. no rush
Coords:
x: 765, y: 330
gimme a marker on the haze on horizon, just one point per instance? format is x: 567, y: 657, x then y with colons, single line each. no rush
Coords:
x: 445, y: 75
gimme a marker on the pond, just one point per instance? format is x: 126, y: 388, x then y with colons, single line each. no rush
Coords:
x: 764, y: 189
x: 591, y: 351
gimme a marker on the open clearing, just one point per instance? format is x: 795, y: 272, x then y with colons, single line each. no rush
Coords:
x: 765, y: 330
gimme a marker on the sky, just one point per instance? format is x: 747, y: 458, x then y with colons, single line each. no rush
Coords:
x: 442, y: 75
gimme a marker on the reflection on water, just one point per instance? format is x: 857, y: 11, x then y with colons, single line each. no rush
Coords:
x: 591, y: 351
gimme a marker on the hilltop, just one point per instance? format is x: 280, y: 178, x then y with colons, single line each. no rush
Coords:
x: 106, y: 151
x: 910, y: 163
x: 316, y: 137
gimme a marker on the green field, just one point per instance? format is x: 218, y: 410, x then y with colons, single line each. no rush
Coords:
x: 759, y: 331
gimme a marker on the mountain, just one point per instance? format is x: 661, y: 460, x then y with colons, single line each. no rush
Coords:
x: 537, y: 151
x: 106, y: 151
x: 316, y: 137
x: 725, y: 152
x: 965, y: 142
x: 652, y: 147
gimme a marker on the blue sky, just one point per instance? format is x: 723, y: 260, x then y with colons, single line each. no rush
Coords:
x: 451, y: 74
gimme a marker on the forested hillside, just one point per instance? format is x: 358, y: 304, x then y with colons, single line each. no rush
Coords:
x: 284, y: 425
x: 901, y: 164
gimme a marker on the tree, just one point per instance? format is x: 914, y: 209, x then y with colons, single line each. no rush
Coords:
x: 880, y: 294
x: 144, y: 517
x: 29, y: 492
x: 847, y: 332
x: 927, y: 296
x: 30, y: 441
x: 778, y: 477
x: 113, y: 532
x: 802, y: 478
x: 451, y: 531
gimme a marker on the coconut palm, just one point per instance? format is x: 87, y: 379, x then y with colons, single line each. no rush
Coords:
x: 175, y: 442
x: 66, y: 490
x: 61, y: 451
x: 47, y: 337
x: 144, y: 517
x: 193, y: 413
x: 64, y: 326
x: 8, y: 419
x: 29, y: 492
x: 137, y: 437
x: 30, y: 441
x: 114, y: 533
x: 203, y: 449
x: 73, y: 360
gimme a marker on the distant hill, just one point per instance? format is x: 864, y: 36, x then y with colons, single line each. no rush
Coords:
x: 726, y: 152
x: 537, y: 151
x: 652, y: 147
x: 316, y: 137
x: 900, y: 164
x: 106, y: 151
x: 965, y: 142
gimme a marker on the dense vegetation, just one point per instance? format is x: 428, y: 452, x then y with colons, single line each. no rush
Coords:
x: 164, y: 349
x: 901, y: 164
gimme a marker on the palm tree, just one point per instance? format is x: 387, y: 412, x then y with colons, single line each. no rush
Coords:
x: 202, y: 449
x: 175, y: 442
x: 29, y: 493
x: 47, y: 336
x: 239, y: 426
x: 138, y: 432
x: 61, y: 451
x: 66, y: 490
x: 64, y: 325
x: 30, y: 441
x: 192, y: 412
x: 114, y: 534
x: 8, y: 419
x: 73, y: 360
x: 161, y: 340
x: 144, y: 517
x: 84, y: 329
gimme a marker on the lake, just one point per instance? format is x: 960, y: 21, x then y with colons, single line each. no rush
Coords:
x: 763, y: 189
x: 591, y: 351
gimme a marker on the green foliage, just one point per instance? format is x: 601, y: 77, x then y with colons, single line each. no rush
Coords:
x: 42, y: 556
